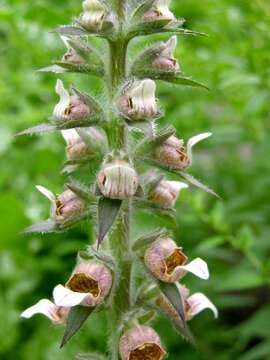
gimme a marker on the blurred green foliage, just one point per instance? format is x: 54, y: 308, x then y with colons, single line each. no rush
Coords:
x: 233, y: 234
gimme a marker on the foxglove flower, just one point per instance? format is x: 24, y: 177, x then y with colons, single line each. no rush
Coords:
x: 167, y: 262
x: 94, y: 16
x: 141, y: 342
x: 118, y: 180
x: 70, y: 107
x: 166, y: 61
x: 57, y: 314
x: 71, y: 56
x: 89, y: 284
x: 193, y: 304
x: 166, y: 193
x: 174, y: 154
x: 138, y: 101
x: 64, y: 206
x: 159, y: 11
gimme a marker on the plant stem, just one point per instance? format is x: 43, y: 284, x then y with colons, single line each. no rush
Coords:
x: 120, y: 235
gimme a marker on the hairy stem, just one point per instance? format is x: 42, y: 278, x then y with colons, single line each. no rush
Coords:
x: 120, y: 235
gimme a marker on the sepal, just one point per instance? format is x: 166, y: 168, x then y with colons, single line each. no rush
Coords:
x: 147, y: 239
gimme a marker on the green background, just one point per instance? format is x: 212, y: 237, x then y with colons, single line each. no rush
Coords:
x: 233, y: 234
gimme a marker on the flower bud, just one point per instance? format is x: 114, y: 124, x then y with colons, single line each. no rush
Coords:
x: 166, y: 261
x: 57, y: 314
x: 193, y: 304
x: 166, y: 193
x: 95, y: 16
x: 71, y: 56
x: 165, y: 61
x: 70, y: 107
x: 159, y: 11
x: 83, y: 142
x: 174, y: 154
x: 64, y: 206
x: 89, y: 284
x: 141, y: 342
x: 138, y: 101
x: 118, y: 180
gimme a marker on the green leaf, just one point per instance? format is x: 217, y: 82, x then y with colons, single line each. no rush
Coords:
x: 108, y: 210
x: 179, y: 79
x: 70, y: 30
x: 76, y: 318
x: 148, y: 239
x: 81, y: 68
x: 46, y: 226
x: 81, y: 191
x: 54, y: 69
x: 42, y: 128
x: 197, y: 183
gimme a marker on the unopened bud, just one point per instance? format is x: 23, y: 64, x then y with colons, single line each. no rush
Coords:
x: 166, y: 61
x: 71, y: 56
x: 89, y: 284
x: 193, y: 304
x: 159, y: 11
x: 138, y: 101
x: 84, y: 142
x: 57, y: 314
x: 118, y: 180
x: 64, y: 206
x: 174, y: 154
x: 141, y: 342
x: 166, y: 193
x: 70, y: 107
x: 167, y: 262
x: 95, y: 15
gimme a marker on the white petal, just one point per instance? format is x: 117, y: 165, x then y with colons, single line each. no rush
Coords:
x: 45, y: 307
x: 170, y: 47
x: 177, y: 185
x: 65, y: 297
x: 143, y: 95
x: 47, y: 193
x: 65, y: 41
x: 197, y: 267
x: 199, y: 302
x: 70, y: 136
x: 193, y: 141
x: 163, y: 7
x: 64, y: 102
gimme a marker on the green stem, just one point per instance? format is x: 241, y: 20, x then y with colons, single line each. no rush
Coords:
x: 120, y: 235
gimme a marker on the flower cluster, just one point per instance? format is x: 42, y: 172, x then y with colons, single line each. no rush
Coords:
x: 118, y: 137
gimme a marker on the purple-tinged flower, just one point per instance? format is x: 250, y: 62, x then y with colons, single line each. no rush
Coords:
x: 141, y: 342
x: 70, y: 107
x: 166, y: 193
x: 57, y: 314
x: 175, y: 155
x: 64, y: 206
x: 89, y: 284
x: 159, y: 11
x: 138, y: 101
x: 71, y: 56
x: 166, y: 61
x: 118, y: 180
x: 193, y: 304
x: 167, y: 262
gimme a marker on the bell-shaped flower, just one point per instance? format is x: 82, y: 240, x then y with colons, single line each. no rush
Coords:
x: 65, y: 206
x: 138, y: 102
x: 57, y: 314
x: 165, y: 61
x: 118, y: 180
x: 167, y: 262
x: 89, y: 284
x: 69, y: 107
x: 141, y: 342
x: 166, y: 193
x: 174, y: 154
x: 95, y: 16
x: 193, y: 304
x: 71, y: 56
x: 159, y: 11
